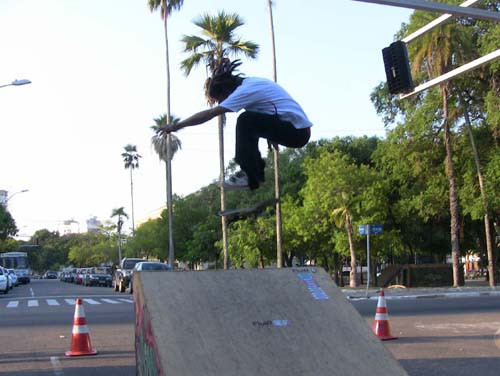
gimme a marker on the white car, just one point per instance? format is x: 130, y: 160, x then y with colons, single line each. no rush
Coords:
x: 4, y: 286
x: 13, y: 277
x: 147, y: 266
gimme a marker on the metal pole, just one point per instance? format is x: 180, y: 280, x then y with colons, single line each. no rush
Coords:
x: 455, y: 72
x: 438, y: 21
x: 367, y: 257
x: 440, y: 8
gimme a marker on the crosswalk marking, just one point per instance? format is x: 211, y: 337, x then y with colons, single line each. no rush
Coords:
x: 110, y: 301
x: 91, y: 301
x: 33, y: 303
x: 127, y: 301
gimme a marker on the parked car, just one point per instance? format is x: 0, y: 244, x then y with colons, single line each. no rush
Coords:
x: 121, y: 276
x: 4, y: 287
x: 147, y: 266
x: 13, y: 277
x: 50, y: 275
x: 98, y: 276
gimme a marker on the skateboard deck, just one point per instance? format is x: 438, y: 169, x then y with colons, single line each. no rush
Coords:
x: 243, y: 213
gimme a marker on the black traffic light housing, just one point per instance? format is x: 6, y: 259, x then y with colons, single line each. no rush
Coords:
x: 397, y: 68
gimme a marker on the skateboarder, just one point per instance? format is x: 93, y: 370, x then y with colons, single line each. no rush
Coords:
x: 271, y: 113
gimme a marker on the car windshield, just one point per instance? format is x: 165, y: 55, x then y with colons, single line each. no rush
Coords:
x: 155, y: 267
x: 129, y: 264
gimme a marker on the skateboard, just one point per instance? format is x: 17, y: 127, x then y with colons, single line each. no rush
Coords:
x: 244, y: 213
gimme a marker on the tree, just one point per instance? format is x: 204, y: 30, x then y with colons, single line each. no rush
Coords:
x: 220, y: 43
x: 119, y: 212
x: 166, y: 147
x: 434, y: 54
x: 131, y: 160
x: 7, y: 224
x: 167, y: 7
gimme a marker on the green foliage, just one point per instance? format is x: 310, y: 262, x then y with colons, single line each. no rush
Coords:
x: 7, y: 224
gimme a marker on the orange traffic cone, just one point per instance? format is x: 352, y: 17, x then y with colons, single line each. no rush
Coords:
x: 381, y: 324
x: 80, y: 340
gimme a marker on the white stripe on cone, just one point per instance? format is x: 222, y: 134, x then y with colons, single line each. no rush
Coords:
x: 381, y: 317
x: 80, y: 329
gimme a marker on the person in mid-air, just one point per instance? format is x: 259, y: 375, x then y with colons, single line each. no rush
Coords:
x: 270, y: 113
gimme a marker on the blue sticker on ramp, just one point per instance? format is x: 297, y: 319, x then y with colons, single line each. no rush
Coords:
x: 281, y: 322
x: 313, y: 287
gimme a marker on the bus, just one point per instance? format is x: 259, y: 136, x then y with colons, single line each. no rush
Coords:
x: 19, y: 262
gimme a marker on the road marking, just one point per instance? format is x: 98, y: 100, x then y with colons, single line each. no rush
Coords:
x: 110, y: 301
x: 91, y: 301
x: 69, y: 301
x: 126, y: 300
x: 56, y: 366
x: 459, y: 327
x: 32, y: 293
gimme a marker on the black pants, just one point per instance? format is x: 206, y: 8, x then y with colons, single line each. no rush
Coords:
x: 251, y: 126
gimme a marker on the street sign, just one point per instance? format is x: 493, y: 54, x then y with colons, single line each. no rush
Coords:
x: 374, y: 229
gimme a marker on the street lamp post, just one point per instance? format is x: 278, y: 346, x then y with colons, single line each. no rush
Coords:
x: 8, y: 198
x: 17, y: 83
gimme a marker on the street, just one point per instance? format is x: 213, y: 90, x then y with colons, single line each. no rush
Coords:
x: 436, y: 336
x: 442, y: 336
x: 36, y: 322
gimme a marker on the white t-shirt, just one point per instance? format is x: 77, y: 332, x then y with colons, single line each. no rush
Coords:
x: 266, y: 97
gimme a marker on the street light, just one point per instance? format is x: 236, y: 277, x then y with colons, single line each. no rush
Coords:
x: 17, y: 83
x: 12, y: 195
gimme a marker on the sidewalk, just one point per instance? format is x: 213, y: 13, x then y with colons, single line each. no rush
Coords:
x: 473, y: 288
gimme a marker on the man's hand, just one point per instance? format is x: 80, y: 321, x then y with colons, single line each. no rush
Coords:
x: 169, y: 128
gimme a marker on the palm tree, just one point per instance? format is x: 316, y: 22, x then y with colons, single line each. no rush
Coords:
x: 119, y: 212
x: 131, y: 160
x: 167, y: 7
x: 277, y: 194
x: 342, y: 216
x: 218, y: 42
x: 166, y: 147
x: 435, y: 53
x: 484, y: 199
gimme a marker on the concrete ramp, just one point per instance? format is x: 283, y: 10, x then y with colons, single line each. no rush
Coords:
x: 291, y: 321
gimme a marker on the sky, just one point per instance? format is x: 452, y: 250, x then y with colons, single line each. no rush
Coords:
x: 98, y: 75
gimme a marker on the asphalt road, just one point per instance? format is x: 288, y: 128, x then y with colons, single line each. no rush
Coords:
x: 436, y: 336
x: 441, y: 337
x: 36, y: 322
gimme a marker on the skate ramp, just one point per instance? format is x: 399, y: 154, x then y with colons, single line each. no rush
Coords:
x: 291, y: 321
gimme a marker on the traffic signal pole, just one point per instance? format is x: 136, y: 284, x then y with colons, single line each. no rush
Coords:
x: 455, y: 10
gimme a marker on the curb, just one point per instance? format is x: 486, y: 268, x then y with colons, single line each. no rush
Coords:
x: 448, y: 295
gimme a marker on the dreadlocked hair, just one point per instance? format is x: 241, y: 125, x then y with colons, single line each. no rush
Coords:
x: 222, y: 80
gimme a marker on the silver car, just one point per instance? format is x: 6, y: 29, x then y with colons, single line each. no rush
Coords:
x: 4, y: 281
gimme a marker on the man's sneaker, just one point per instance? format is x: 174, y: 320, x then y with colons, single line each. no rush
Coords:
x: 237, y: 181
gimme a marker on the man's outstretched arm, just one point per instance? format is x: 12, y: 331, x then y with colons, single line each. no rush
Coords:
x: 196, y: 119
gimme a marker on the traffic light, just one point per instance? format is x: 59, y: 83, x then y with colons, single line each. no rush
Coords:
x: 397, y: 68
